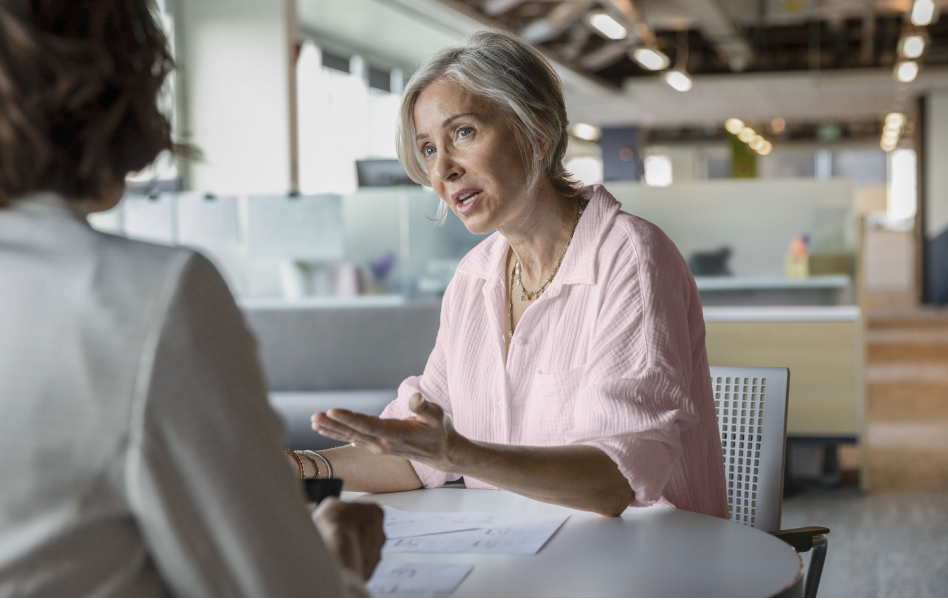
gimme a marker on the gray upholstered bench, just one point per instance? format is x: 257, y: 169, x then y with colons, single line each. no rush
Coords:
x: 347, y: 357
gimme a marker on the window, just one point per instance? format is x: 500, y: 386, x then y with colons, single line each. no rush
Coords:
x: 587, y: 169
x: 902, y: 185
x: 343, y: 117
x: 658, y: 170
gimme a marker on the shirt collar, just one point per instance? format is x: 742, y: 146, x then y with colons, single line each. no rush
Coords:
x: 46, y: 204
x: 579, y: 264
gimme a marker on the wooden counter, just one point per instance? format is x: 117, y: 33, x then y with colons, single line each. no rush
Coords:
x: 821, y: 345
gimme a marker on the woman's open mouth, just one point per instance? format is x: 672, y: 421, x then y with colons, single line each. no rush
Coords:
x: 466, y: 199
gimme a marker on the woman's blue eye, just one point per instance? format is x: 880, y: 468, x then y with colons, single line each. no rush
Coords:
x: 428, y: 151
x: 462, y: 130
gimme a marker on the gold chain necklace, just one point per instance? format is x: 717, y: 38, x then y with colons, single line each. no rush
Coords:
x: 515, y: 274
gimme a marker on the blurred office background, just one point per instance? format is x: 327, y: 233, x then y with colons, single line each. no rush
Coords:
x: 794, y: 150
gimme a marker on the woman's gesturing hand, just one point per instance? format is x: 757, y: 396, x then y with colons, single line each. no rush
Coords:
x: 353, y: 531
x: 427, y: 437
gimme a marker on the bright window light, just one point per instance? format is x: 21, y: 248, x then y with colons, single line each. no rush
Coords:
x: 922, y: 12
x: 912, y: 46
x: 653, y: 60
x: 587, y: 169
x: 678, y: 80
x: 658, y: 170
x: 585, y: 131
x: 902, y: 185
x: 734, y: 125
x: 906, y: 71
x: 608, y: 26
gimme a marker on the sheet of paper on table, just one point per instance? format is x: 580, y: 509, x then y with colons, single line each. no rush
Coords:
x: 416, y: 580
x: 400, y: 524
x: 485, y: 533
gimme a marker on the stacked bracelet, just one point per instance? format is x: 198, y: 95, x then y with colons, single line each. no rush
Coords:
x: 299, y: 463
x: 310, y: 459
x: 328, y: 464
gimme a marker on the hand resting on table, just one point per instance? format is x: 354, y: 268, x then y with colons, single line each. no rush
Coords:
x: 353, y: 531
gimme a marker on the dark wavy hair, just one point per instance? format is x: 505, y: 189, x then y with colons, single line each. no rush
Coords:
x: 79, y: 84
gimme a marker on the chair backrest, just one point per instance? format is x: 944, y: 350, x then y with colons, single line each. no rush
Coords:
x: 751, y: 406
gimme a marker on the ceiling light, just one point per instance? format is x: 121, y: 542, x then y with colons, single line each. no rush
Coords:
x: 734, y: 125
x: 922, y: 12
x: 678, y: 80
x: 778, y: 125
x: 651, y: 59
x: 608, y: 26
x: 765, y: 149
x: 895, y: 119
x: 912, y: 46
x: 746, y: 134
x: 757, y: 143
x: 888, y: 147
x: 906, y: 71
x: 585, y: 131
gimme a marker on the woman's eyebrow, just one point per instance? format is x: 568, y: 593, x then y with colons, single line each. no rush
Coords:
x: 447, y: 121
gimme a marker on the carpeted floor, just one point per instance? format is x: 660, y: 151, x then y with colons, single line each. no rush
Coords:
x: 881, y: 545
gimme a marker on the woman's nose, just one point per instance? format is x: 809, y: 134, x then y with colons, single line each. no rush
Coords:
x: 446, y: 168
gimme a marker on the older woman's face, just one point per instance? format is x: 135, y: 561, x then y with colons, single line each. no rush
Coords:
x: 473, y: 159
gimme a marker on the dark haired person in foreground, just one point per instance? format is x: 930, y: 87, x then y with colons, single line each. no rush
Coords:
x: 139, y: 455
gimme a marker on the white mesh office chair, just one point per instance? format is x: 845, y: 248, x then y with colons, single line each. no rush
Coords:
x: 751, y: 406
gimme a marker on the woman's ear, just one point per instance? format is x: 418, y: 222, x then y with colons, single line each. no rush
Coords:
x: 544, y: 147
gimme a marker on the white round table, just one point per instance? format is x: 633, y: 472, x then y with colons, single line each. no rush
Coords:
x: 645, y: 552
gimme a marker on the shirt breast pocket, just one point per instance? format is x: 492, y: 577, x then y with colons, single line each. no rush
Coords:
x: 550, y: 406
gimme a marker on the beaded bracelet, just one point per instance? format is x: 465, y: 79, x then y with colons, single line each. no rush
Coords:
x: 310, y: 459
x: 299, y: 463
x: 328, y: 464
x: 311, y: 455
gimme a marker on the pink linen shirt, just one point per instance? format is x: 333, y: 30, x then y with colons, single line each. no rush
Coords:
x: 612, y: 355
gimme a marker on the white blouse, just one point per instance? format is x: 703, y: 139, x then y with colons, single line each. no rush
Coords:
x: 138, y: 453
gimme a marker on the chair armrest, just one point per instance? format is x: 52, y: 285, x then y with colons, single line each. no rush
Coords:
x: 801, y: 538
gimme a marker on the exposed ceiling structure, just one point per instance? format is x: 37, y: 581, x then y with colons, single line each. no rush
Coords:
x: 721, y: 36
x: 798, y: 97
x: 713, y: 36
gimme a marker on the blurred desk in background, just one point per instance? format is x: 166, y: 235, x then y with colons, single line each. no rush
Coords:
x: 821, y: 345
x: 818, y: 290
x: 355, y: 355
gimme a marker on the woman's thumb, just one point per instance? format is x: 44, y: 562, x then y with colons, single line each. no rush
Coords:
x: 425, y: 408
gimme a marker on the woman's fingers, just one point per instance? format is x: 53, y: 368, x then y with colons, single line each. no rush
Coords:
x: 342, y: 433
x: 384, y: 428
x: 430, y: 412
x: 343, y: 421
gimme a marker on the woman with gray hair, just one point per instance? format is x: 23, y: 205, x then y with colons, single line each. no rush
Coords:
x: 570, y: 365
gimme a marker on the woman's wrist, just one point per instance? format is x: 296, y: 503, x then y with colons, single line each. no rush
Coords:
x: 458, y: 454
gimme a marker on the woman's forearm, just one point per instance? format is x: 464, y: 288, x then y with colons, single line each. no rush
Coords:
x: 363, y: 471
x: 580, y: 477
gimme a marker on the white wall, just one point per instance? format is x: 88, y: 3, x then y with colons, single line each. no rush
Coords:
x: 233, y: 58
x: 756, y: 218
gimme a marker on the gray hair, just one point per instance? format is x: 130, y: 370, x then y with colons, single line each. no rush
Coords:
x: 512, y: 75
